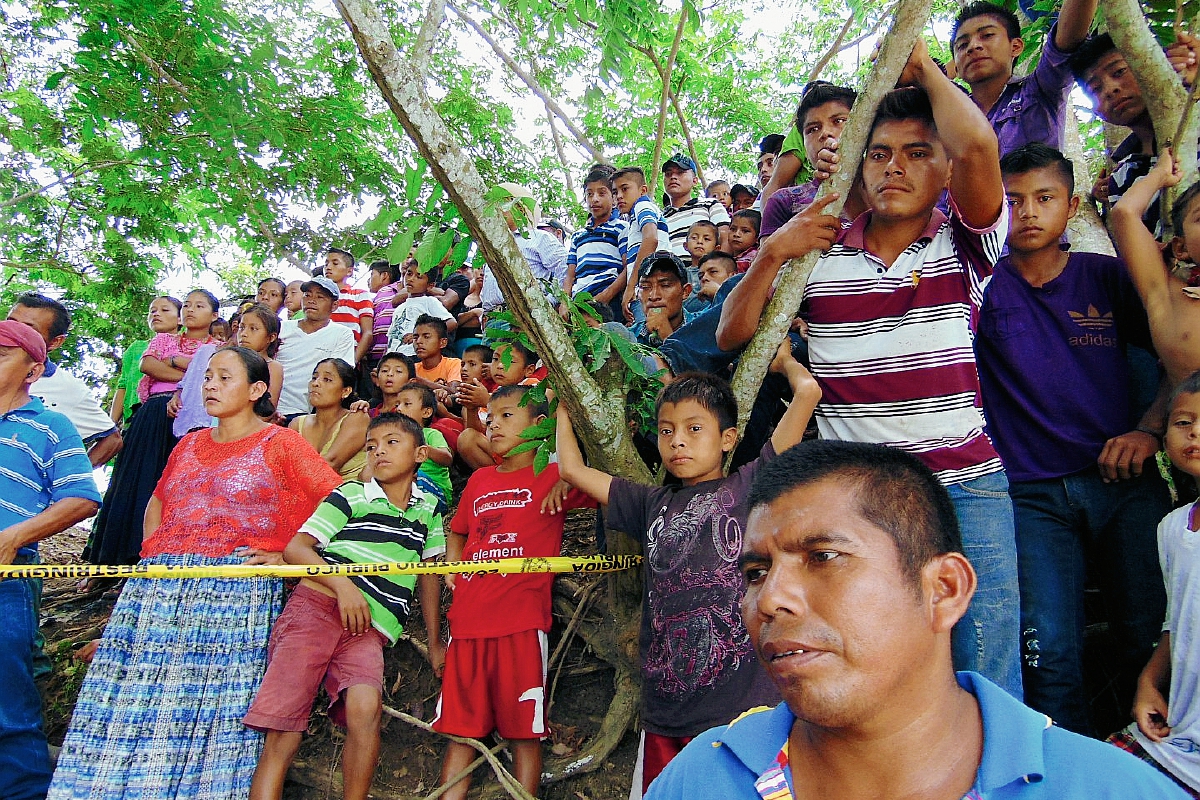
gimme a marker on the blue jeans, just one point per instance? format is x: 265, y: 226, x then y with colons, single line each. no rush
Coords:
x: 987, y: 639
x: 24, y: 759
x: 1060, y: 522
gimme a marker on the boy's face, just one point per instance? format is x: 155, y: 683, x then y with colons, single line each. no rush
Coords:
x: 391, y: 375
x: 982, y: 50
x: 678, y: 182
x: 409, y: 404
x: 742, y: 201
x: 270, y: 295
x: 1114, y: 90
x: 766, y: 168
x: 742, y: 235
x: 505, y: 421
x: 516, y: 371
x: 337, y: 267
x: 663, y: 293
x: 1039, y: 206
x: 474, y: 368
x: 905, y: 170
x: 721, y: 192
x: 691, y: 442
x: 427, y: 342
x: 823, y: 126
x: 713, y: 273
x: 700, y: 242
x: 415, y: 281
x: 629, y: 189
x: 393, y: 453
x: 293, y: 298
x: 378, y: 280
x: 1186, y: 243
x: 599, y: 199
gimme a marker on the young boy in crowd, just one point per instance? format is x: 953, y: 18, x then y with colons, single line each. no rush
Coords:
x: 1171, y: 296
x: 418, y: 403
x: 513, y: 364
x: 679, y: 181
x: 1082, y: 491
x: 719, y: 190
x: 715, y: 269
x: 596, y: 258
x: 386, y: 282
x: 495, y: 676
x: 664, y: 287
x: 334, y: 628
x: 646, y: 231
x: 743, y: 237
x: 394, y: 372
x: 742, y: 197
x: 354, y: 308
x: 698, y: 666
x: 418, y: 303
x: 1165, y: 709
x: 293, y: 300
x: 702, y: 239
x: 430, y: 338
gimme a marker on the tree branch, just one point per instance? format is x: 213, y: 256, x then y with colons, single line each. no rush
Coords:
x: 665, y: 73
x: 12, y: 201
x: 157, y: 68
x: 911, y: 17
x: 422, y: 48
x: 832, y: 50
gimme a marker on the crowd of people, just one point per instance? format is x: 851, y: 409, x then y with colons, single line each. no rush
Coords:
x: 968, y: 424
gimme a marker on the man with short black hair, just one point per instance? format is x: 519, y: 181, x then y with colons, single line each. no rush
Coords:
x: 683, y: 210
x: 303, y: 343
x: 664, y: 286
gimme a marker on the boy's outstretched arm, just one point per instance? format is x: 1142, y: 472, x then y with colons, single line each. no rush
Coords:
x: 592, y: 482
x: 806, y: 393
x: 355, y: 613
x: 1136, y: 244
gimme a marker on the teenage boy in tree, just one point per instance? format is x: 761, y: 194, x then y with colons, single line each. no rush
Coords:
x: 698, y: 666
x: 354, y: 308
x: 513, y: 364
x: 333, y: 629
x: 1081, y: 489
x: 495, y: 677
x: 890, y: 338
x: 646, y: 232
x: 682, y: 210
x: 596, y: 258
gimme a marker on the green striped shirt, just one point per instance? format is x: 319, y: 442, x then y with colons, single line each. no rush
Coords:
x: 357, y: 524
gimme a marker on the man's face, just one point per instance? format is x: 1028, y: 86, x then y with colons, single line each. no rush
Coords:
x: 629, y: 189
x: 663, y: 293
x: 713, y: 273
x: 427, y: 342
x: 318, y: 304
x: 17, y: 368
x: 833, y: 618
x: 1114, y: 90
x: 766, y: 168
x: 1039, y: 205
x: 678, y: 182
x: 40, y: 319
x: 742, y: 235
x: 823, y: 126
x: 337, y: 267
x: 905, y: 170
x: 600, y: 200
x: 982, y: 50
x: 701, y: 241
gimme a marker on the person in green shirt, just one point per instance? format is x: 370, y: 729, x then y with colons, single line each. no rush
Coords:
x: 419, y: 403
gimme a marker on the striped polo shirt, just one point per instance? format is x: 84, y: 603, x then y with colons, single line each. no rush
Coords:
x: 351, y: 307
x: 643, y: 212
x: 680, y: 219
x: 598, y: 254
x: 892, y: 347
x: 357, y: 524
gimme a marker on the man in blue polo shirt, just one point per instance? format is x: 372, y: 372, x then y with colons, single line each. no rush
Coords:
x: 854, y: 579
x: 46, y: 486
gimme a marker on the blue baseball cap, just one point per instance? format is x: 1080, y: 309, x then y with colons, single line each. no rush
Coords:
x: 680, y: 160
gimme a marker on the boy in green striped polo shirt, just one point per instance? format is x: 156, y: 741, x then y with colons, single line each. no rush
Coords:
x: 333, y: 629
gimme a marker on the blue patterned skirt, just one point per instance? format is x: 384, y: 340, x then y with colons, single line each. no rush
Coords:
x: 160, y: 711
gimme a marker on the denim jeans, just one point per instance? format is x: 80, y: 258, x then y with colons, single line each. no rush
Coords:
x: 1060, y: 522
x: 24, y: 759
x: 987, y: 639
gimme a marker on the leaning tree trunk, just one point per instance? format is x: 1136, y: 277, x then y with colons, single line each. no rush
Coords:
x: 597, y: 409
x: 910, y: 19
x: 1086, y: 230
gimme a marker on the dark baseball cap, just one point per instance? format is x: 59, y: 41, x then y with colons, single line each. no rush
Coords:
x: 741, y: 188
x: 664, y: 262
x: 681, y: 161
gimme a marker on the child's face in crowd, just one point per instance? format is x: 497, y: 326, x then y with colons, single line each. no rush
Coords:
x: 163, y: 316
x: 227, y: 389
x: 337, y: 267
x: 713, y: 273
x: 393, y: 453
x: 427, y: 342
x: 516, y: 371
x: 742, y: 235
x: 391, y: 375
x: 198, y: 313
x: 293, y: 298
x: 415, y: 281
x: 691, y: 442
x: 409, y: 404
x: 629, y: 189
x: 505, y: 421
x: 474, y: 368
x: 766, y: 168
x: 600, y: 200
x: 823, y: 126
x: 1114, y: 90
x: 663, y: 293
x: 905, y: 170
x: 1182, y: 440
x: 720, y: 192
x: 1039, y: 205
x: 378, y: 280
x: 743, y: 201
x: 221, y: 331
x: 1186, y: 244
x: 270, y: 294
x: 700, y: 242
x: 252, y: 334
x: 678, y: 182
x: 982, y: 49
x: 318, y: 304
x: 326, y: 389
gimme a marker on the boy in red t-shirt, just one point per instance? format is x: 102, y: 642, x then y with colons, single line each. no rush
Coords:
x: 495, y: 675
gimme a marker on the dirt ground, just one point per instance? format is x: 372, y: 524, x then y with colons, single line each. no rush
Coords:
x: 410, y: 758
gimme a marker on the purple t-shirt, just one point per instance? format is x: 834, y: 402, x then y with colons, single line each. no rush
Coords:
x: 1033, y: 108
x: 698, y: 666
x: 785, y: 204
x: 1052, y: 366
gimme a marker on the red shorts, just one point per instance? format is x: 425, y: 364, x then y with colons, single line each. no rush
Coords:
x: 495, y: 685
x: 657, y: 752
x: 309, y: 646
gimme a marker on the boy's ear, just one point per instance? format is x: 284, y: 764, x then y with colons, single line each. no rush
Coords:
x: 1179, y: 248
x: 530, y: 369
x: 1018, y: 47
x: 1073, y: 206
x: 729, y: 439
x: 422, y: 453
x: 687, y: 289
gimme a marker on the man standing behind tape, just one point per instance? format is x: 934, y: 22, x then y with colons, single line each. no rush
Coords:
x: 46, y: 485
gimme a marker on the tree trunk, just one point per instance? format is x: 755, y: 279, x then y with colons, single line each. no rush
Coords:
x: 422, y: 49
x: 910, y: 19
x: 1086, y: 231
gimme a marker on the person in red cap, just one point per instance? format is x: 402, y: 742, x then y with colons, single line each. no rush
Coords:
x: 47, y: 487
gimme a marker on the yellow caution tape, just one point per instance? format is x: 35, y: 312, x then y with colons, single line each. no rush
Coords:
x: 503, y: 566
